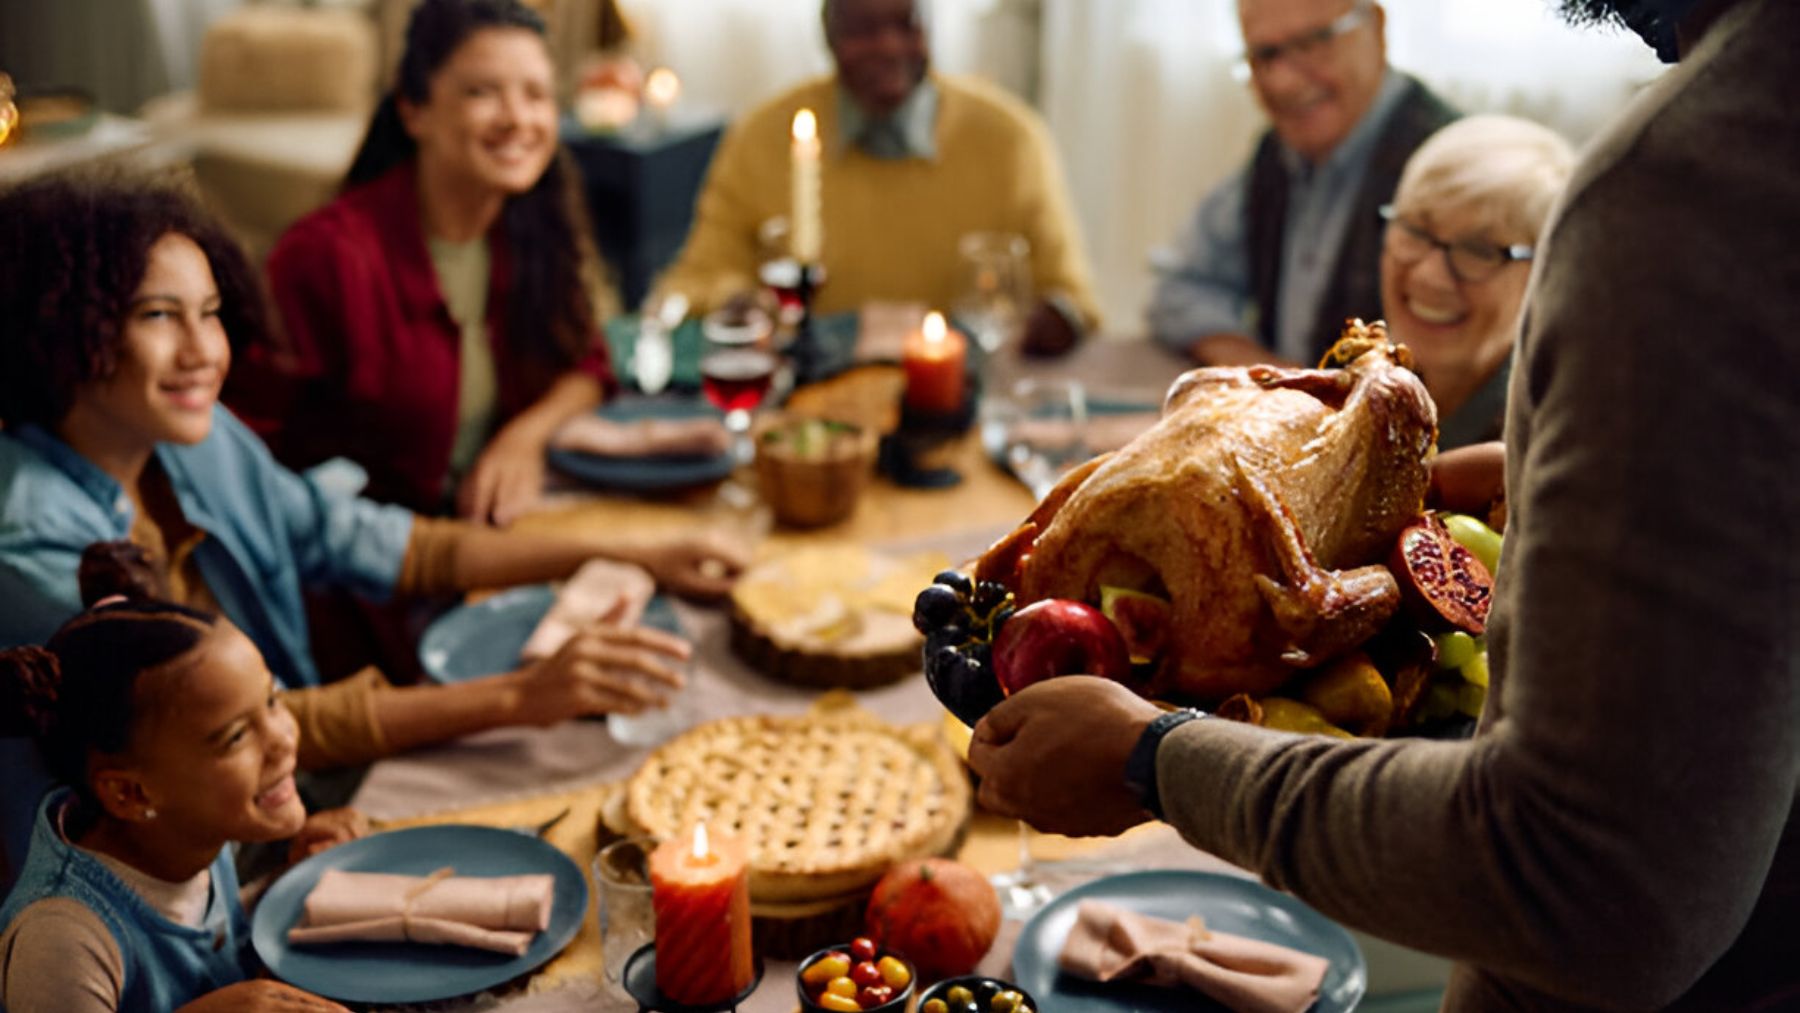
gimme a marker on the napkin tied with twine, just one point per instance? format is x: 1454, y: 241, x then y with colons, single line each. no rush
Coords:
x: 1109, y: 943
x: 498, y: 913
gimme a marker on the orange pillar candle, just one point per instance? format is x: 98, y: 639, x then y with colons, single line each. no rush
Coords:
x: 700, y: 889
x: 933, y: 357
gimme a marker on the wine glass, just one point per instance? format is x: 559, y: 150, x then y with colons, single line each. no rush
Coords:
x: 994, y: 298
x: 1038, y: 430
x: 736, y: 369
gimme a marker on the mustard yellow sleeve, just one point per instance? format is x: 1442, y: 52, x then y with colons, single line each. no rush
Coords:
x: 429, y: 567
x: 337, y: 721
x: 1059, y: 257
x: 719, y: 258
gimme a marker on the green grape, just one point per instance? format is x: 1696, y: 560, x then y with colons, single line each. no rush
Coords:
x: 1475, y: 670
x: 1441, y: 701
x: 1470, y: 698
x: 1454, y: 649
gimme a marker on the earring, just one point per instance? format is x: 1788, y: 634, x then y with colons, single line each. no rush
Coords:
x: 149, y: 814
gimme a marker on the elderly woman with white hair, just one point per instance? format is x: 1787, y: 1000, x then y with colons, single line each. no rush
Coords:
x: 1471, y: 204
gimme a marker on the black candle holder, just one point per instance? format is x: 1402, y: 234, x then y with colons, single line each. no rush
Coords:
x: 904, y: 451
x: 812, y: 360
x: 639, y: 980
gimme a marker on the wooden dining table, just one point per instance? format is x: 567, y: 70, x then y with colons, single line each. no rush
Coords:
x: 523, y: 776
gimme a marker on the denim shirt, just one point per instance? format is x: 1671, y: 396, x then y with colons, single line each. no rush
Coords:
x: 269, y: 534
x: 166, y: 965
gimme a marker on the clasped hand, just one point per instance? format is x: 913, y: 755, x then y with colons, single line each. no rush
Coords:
x: 1054, y: 754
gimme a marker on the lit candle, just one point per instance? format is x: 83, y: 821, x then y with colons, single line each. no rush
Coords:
x: 806, y: 148
x: 661, y: 90
x: 933, y: 356
x: 701, y: 892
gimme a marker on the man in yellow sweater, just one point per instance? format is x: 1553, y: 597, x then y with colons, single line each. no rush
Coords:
x: 912, y: 162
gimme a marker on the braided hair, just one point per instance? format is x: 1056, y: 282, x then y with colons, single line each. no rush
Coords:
x: 77, y: 695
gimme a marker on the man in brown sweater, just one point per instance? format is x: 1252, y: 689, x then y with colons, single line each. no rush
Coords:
x: 1620, y: 832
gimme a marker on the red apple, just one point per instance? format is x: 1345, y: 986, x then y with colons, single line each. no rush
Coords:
x: 1054, y: 637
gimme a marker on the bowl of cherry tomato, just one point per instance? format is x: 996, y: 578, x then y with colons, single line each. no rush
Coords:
x: 858, y: 975
x: 976, y: 994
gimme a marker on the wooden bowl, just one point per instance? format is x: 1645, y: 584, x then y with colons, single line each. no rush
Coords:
x: 812, y: 471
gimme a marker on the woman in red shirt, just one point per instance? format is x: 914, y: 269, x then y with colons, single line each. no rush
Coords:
x: 438, y: 315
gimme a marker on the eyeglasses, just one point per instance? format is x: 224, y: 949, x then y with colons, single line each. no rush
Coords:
x: 1306, y: 48
x: 1471, y: 260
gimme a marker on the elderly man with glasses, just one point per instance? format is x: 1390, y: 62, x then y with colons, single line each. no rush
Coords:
x: 1278, y: 256
x: 912, y: 162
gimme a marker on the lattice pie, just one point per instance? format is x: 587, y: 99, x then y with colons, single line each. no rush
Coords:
x: 826, y: 802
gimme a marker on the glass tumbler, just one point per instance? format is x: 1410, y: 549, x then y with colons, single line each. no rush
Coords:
x: 627, y: 918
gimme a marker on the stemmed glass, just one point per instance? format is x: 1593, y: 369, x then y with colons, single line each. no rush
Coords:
x: 1021, y: 891
x: 1040, y: 429
x: 736, y: 369
x: 995, y: 295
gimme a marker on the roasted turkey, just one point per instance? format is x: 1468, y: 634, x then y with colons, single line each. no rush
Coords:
x: 1259, y: 506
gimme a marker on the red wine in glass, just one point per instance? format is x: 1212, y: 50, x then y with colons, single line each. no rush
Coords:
x: 737, y: 379
x: 782, y: 277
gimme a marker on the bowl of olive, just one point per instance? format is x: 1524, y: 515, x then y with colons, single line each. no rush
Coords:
x: 976, y: 994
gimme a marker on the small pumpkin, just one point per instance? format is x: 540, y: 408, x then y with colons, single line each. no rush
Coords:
x: 939, y: 914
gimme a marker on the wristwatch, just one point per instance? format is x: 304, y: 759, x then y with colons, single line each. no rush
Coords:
x: 1140, y: 767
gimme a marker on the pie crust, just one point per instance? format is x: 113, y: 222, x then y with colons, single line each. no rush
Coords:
x: 825, y: 802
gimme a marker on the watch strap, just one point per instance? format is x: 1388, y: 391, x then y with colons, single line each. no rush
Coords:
x: 1140, y: 767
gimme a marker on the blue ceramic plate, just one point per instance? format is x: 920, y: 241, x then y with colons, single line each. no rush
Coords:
x: 1230, y: 904
x: 646, y: 474
x: 471, y: 641
x: 415, y: 972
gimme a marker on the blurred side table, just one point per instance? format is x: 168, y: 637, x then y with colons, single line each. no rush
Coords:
x: 111, y: 138
x: 641, y: 183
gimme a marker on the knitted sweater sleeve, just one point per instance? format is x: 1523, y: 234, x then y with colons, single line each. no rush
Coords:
x: 57, y: 957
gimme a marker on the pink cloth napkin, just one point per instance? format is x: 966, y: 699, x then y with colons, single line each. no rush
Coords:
x: 1109, y: 943
x: 601, y: 589
x: 690, y: 437
x: 499, y: 913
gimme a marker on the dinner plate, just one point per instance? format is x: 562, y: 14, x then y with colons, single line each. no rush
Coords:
x: 485, y: 637
x: 415, y: 972
x: 647, y: 474
x: 1231, y: 904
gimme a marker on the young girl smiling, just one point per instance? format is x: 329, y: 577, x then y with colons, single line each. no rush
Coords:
x: 165, y: 724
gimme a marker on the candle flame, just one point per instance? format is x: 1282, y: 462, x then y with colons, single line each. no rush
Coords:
x: 934, y: 329
x: 806, y: 125
x: 662, y: 88
x: 700, y: 847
